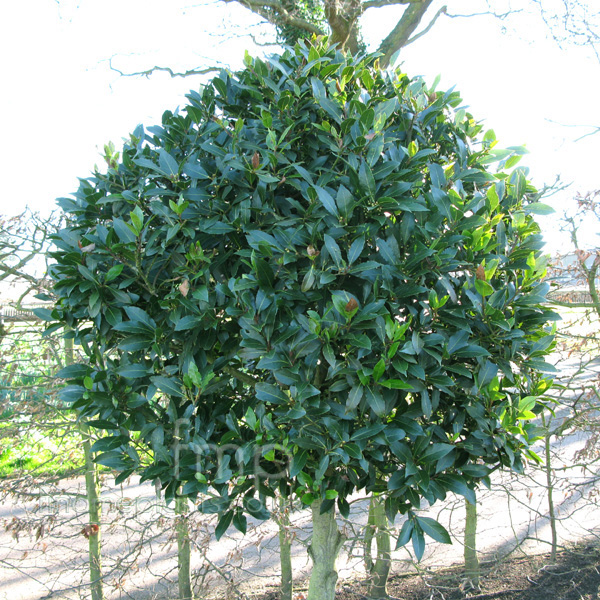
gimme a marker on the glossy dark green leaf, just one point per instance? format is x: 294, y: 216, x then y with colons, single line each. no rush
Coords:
x: 326, y: 199
x: 418, y: 542
x: 223, y: 524
x: 169, y: 385
x: 133, y: 371
x: 271, y: 393
x: 405, y: 534
x: 354, y: 397
x: 434, y: 530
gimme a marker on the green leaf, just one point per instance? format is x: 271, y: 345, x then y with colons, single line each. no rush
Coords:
x: 240, y: 522
x: 123, y: 231
x: 355, y: 250
x: 367, y: 432
x: 44, y: 314
x: 113, y: 273
x: 298, y: 461
x: 326, y: 199
x: 334, y: 251
x: 459, y: 340
x: 379, y: 369
x: 405, y: 533
x: 187, y: 322
x: 223, y: 524
x: 456, y: 484
x: 486, y: 373
x: 483, y: 287
x: 396, y: 384
x: 345, y: 202
x: 436, y: 451
x: 264, y: 273
x: 195, y: 171
x: 418, y: 542
x: 366, y: 179
x: 354, y: 397
x: 133, y: 371
x: 539, y: 208
x: 169, y: 385
x: 353, y: 450
x: 375, y: 401
x: 273, y: 394
x: 434, y: 530
x: 74, y: 371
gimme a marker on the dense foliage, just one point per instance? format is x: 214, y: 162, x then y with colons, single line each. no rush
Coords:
x: 309, y: 263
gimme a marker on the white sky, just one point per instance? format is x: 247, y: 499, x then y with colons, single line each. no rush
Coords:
x: 61, y: 102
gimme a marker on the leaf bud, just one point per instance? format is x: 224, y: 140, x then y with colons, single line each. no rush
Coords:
x: 184, y: 287
x: 351, y: 305
x: 480, y: 274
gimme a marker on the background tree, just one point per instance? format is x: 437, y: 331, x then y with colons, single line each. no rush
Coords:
x: 287, y: 21
x: 308, y: 281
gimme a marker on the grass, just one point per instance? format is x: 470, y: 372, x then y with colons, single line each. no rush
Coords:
x: 26, y: 447
x: 38, y: 436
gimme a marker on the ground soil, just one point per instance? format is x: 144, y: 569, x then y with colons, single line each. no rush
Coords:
x: 575, y: 575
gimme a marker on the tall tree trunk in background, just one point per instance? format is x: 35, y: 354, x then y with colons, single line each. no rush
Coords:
x: 184, y: 579
x: 470, y: 553
x: 325, y: 545
x: 92, y: 490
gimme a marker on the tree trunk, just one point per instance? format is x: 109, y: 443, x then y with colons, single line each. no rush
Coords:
x: 324, y: 548
x: 94, y: 514
x: 92, y: 531
x: 380, y: 569
x: 184, y: 579
x: 470, y: 554
x: 285, y: 550
x: 550, y: 490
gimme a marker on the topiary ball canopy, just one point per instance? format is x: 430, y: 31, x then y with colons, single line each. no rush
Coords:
x: 307, y: 279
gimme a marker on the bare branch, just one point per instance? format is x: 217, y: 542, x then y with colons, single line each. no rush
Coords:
x: 594, y: 128
x: 151, y: 71
x: 487, y: 13
x: 427, y: 29
x: 594, y: 131
x: 403, y: 31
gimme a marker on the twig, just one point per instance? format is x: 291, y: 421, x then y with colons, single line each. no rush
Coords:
x: 168, y: 70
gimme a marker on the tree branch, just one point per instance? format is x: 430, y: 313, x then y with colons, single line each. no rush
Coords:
x: 487, y: 13
x: 380, y: 3
x: 279, y: 15
x: 404, y: 29
x: 168, y: 70
x: 427, y: 29
x: 341, y: 16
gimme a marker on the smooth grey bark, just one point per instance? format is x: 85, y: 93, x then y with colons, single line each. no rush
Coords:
x: 325, y: 545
